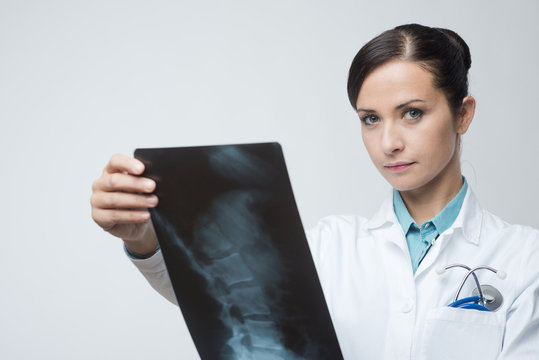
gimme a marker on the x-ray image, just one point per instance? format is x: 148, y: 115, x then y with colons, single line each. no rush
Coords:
x: 236, y: 253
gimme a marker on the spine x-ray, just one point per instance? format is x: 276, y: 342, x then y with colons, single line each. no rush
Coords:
x: 236, y: 253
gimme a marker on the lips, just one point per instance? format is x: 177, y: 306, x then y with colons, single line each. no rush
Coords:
x: 398, y: 166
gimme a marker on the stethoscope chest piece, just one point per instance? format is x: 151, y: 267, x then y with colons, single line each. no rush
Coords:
x: 493, y: 297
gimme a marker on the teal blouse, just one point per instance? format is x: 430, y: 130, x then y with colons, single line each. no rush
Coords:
x: 421, y: 238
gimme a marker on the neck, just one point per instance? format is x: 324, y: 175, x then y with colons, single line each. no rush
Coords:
x: 428, y: 200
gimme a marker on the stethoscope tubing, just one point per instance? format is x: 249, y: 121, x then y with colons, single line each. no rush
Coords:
x: 468, y: 303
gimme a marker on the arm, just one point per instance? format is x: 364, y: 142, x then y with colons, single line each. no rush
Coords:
x: 155, y: 272
x: 120, y: 202
x: 521, y: 339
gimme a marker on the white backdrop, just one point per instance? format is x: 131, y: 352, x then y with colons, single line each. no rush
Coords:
x: 82, y: 80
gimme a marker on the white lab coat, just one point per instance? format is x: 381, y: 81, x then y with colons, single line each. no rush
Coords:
x: 381, y: 310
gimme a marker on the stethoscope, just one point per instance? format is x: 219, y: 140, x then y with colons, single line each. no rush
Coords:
x: 484, y: 297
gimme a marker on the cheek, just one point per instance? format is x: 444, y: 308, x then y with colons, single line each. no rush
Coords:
x: 442, y: 144
x: 369, y: 142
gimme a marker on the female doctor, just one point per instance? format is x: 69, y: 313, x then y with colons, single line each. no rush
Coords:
x: 385, y: 278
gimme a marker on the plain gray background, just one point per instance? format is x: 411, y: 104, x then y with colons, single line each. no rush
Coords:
x: 82, y: 80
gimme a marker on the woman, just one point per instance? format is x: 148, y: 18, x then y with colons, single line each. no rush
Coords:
x: 381, y: 276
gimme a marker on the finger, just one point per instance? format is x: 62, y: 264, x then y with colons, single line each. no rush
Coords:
x: 124, y: 163
x: 121, y: 200
x: 123, y: 182
x: 107, y: 218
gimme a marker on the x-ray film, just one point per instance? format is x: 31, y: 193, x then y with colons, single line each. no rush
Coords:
x: 237, y: 255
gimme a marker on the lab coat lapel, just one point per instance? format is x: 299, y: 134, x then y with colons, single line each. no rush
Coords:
x: 386, y: 223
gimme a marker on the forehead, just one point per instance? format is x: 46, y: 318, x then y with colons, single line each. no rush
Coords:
x: 396, y: 82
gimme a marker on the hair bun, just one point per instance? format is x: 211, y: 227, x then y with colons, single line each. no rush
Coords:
x: 461, y: 45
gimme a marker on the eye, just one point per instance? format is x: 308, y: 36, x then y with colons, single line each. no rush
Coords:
x: 413, y: 114
x: 369, y: 119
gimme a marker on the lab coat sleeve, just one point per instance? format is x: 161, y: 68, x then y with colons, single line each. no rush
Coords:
x: 521, y: 339
x: 155, y: 271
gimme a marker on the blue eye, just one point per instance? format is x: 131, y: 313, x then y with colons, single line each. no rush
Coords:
x: 369, y: 119
x: 413, y: 114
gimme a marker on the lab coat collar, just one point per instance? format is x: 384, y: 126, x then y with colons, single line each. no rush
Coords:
x: 470, y: 218
x: 468, y: 221
x: 385, y: 214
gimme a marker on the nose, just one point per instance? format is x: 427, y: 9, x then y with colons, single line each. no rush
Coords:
x: 392, y: 141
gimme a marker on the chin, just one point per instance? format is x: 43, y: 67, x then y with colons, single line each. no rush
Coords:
x: 400, y: 187
x: 405, y: 183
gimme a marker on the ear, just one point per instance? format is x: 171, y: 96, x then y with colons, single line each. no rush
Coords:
x: 466, y: 113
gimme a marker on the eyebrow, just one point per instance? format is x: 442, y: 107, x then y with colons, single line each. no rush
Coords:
x: 398, y: 107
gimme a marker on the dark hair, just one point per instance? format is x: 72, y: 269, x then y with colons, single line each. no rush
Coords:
x: 440, y: 51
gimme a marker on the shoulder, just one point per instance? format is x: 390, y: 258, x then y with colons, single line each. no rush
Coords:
x: 494, y: 226
x: 514, y: 242
x: 490, y: 228
x: 515, y: 248
x: 336, y: 226
x: 334, y: 233
x: 340, y: 233
x: 337, y: 222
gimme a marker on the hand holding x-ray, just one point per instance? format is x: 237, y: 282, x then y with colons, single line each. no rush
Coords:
x: 120, y: 202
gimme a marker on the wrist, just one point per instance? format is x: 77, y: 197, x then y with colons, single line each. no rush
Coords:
x: 144, y: 247
x: 140, y: 256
